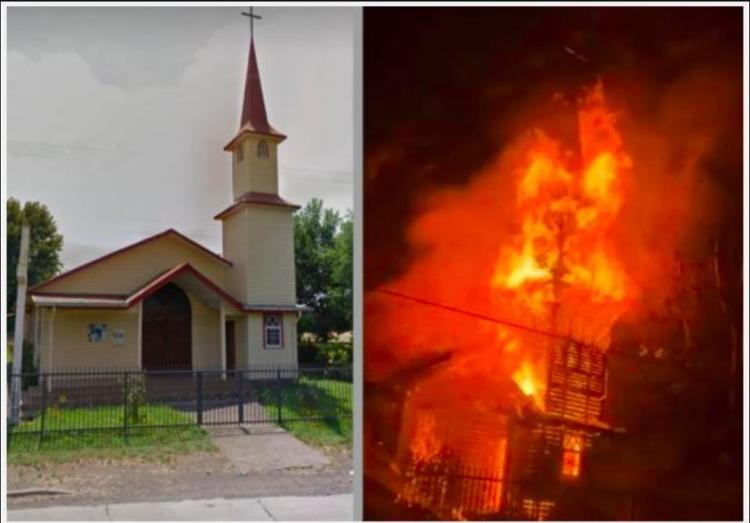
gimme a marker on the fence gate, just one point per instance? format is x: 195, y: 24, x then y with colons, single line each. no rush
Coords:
x: 133, y: 401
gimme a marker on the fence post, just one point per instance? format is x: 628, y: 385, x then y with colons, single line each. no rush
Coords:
x: 240, y: 397
x: 125, y: 387
x: 199, y: 396
x: 278, y: 397
x: 43, y: 422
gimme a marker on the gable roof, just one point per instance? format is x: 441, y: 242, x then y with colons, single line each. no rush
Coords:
x: 159, y: 281
x: 125, y: 301
x: 154, y: 285
x: 168, y: 232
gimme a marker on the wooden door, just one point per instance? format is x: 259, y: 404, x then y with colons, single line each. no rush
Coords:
x: 167, y: 336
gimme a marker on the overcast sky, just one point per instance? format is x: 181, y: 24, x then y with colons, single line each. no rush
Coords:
x: 117, y: 116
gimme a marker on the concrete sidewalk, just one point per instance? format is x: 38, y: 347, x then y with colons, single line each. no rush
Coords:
x: 285, y: 508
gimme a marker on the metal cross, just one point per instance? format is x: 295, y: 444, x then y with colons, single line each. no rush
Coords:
x: 252, y: 18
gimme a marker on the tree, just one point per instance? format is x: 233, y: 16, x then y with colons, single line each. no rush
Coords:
x: 323, y: 255
x: 44, y: 246
x: 342, y: 274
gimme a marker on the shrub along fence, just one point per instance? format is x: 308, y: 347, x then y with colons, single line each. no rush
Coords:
x: 129, y: 401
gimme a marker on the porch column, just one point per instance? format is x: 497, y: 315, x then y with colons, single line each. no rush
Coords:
x: 139, y: 335
x: 36, y: 336
x: 223, y: 338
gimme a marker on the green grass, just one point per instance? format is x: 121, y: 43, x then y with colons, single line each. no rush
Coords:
x: 329, y: 401
x: 107, y: 439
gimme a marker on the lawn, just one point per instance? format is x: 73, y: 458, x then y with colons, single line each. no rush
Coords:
x: 104, y: 435
x: 316, y: 410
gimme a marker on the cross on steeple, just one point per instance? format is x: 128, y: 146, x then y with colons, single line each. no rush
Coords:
x: 252, y: 18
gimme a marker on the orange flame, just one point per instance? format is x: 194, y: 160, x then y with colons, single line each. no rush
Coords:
x: 530, y: 383
x: 554, y: 240
x: 564, y: 253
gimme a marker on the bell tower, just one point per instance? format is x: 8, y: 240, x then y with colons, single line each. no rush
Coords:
x: 258, y: 226
x: 254, y: 148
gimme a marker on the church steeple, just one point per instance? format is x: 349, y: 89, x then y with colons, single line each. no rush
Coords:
x: 254, y: 117
x: 254, y: 147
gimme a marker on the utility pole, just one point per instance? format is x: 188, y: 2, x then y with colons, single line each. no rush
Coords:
x: 18, y: 338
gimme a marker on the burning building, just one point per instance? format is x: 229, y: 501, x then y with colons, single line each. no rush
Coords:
x: 541, y: 219
x: 535, y: 414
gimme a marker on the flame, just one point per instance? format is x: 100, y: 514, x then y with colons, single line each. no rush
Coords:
x: 564, y: 238
x: 564, y: 252
x: 530, y: 383
x: 425, y: 443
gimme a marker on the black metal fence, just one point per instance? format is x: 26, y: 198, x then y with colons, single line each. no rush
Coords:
x: 128, y: 401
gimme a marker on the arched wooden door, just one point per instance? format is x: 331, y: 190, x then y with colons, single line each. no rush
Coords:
x: 167, y: 338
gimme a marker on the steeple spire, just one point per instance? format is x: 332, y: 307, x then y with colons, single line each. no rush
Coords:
x: 253, y: 107
x: 254, y: 117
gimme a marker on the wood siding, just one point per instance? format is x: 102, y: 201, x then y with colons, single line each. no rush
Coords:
x: 65, y: 333
x: 206, y: 335
x: 259, y: 240
x: 254, y: 173
x: 128, y: 271
x: 257, y: 355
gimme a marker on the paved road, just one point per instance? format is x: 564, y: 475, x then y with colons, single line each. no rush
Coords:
x: 337, y: 507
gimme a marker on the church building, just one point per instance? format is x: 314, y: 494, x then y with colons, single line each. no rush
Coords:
x: 167, y: 302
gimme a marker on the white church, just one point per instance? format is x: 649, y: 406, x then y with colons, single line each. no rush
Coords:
x: 167, y: 302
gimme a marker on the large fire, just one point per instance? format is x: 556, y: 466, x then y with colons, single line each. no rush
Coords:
x: 534, y: 239
x: 562, y: 264
x: 549, y: 237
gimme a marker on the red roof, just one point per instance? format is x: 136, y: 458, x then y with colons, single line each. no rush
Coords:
x: 256, y: 197
x: 129, y: 247
x: 121, y: 301
x: 140, y: 294
x: 157, y: 283
x: 254, y: 117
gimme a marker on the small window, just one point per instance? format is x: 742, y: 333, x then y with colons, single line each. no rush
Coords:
x: 239, y: 154
x: 262, y: 149
x: 571, y: 459
x: 272, y: 334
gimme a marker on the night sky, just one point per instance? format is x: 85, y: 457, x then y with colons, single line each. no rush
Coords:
x: 445, y: 87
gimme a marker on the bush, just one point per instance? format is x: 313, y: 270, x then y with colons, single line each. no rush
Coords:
x: 136, y: 398
x: 327, y: 354
x: 335, y: 353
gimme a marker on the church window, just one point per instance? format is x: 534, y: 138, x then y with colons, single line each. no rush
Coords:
x: 239, y: 154
x: 272, y: 332
x: 262, y: 149
x: 571, y: 459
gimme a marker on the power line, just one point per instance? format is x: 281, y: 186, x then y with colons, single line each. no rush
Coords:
x: 515, y: 325
x: 485, y: 317
x: 309, y: 169
x: 319, y: 178
x: 21, y: 148
x: 347, y: 180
